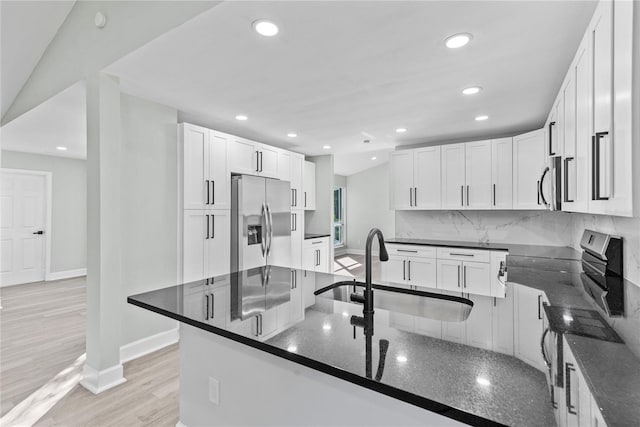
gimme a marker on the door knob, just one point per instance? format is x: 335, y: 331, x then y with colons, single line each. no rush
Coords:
x: 38, y: 232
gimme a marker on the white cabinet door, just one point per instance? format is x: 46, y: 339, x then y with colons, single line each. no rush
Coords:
x: 309, y: 258
x: 602, y: 66
x: 579, y: 168
x: 502, y: 173
x: 476, y: 278
x: 569, y: 172
x: 426, y: 178
x: 395, y: 270
x: 422, y: 272
x: 217, y: 171
x: 429, y: 327
x: 401, y: 177
x: 502, y: 318
x: 528, y: 325
x: 528, y: 163
x: 449, y: 275
x: 478, y: 187
x: 479, y: 332
x: 309, y: 185
x: 194, y: 142
x: 284, y: 165
x: 324, y: 263
x: 296, y: 181
x: 217, y: 246
x: 453, y: 178
x: 193, y: 246
x: 297, y: 238
x: 268, y: 166
x: 297, y: 300
x: 243, y: 157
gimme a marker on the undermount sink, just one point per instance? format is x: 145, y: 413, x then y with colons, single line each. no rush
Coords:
x: 429, y: 305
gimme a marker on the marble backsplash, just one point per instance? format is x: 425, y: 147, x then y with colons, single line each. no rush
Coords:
x: 525, y: 227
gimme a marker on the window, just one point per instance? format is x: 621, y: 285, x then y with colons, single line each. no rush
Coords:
x: 338, y: 217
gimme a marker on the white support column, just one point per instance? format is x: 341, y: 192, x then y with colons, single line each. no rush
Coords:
x: 103, y: 369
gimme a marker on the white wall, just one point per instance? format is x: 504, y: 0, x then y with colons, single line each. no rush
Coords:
x: 69, y: 205
x: 320, y: 220
x: 368, y: 206
x: 148, y: 210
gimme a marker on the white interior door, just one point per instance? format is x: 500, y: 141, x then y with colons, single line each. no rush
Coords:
x: 22, y: 222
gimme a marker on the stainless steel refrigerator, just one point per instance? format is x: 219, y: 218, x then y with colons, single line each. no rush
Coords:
x: 260, y: 222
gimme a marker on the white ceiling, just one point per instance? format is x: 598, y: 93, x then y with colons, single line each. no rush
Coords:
x: 26, y: 29
x: 59, y: 121
x: 338, y: 69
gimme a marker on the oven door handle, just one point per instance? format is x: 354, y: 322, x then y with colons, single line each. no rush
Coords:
x: 547, y: 362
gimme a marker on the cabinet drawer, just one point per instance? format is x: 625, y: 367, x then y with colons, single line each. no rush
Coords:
x: 308, y: 243
x: 412, y: 250
x: 464, y: 254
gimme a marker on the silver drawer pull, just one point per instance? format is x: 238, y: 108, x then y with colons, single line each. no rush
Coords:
x: 315, y: 243
x: 457, y: 254
x: 407, y: 250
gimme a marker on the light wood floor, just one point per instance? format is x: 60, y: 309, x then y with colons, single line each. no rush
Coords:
x: 42, y: 331
x: 149, y: 397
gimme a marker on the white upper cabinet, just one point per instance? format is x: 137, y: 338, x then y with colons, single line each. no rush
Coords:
x: 426, y: 178
x: 401, y: 177
x: 478, y: 189
x: 309, y: 186
x: 415, y: 179
x: 453, y: 176
x: 253, y: 158
x: 502, y: 173
x: 205, y: 176
x: 529, y: 159
x: 284, y: 165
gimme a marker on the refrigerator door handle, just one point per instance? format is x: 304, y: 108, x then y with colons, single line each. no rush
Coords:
x: 269, y: 229
x: 263, y: 219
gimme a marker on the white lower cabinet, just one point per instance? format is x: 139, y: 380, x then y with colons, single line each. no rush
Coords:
x: 479, y: 332
x: 476, y: 278
x: 410, y: 270
x: 529, y: 325
x: 502, y: 323
x: 315, y: 255
x: 449, y: 274
x: 297, y: 238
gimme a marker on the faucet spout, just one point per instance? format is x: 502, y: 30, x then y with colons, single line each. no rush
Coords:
x: 384, y: 256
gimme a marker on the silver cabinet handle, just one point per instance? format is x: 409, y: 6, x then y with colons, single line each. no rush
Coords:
x: 206, y: 307
x: 464, y: 277
x: 213, y: 226
x: 409, y: 265
x: 462, y: 195
x: 212, y: 300
x: 206, y: 184
x: 207, y: 221
x: 305, y: 199
x: 257, y: 161
x: 213, y: 192
x: 261, y: 161
x: 539, y: 312
x: 460, y: 254
x: 570, y: 407
x: 541, y: 183
x: 467, y: 195
x: 458, y: 276
x: 415, y: 196
x: 410, y: 197
x: 494, y: 194
x: 404, y: 269
x: 407, y: 250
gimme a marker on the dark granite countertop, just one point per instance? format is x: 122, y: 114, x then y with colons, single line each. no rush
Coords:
x: 611, y: 370
x: 553, y: 252
x: 308, y: 236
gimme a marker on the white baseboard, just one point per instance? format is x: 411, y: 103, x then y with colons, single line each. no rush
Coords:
x: 68, y: 274
x: 148, y: 345
x: 98, y: 381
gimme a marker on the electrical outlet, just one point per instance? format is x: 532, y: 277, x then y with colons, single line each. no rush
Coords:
x: 214, y: 391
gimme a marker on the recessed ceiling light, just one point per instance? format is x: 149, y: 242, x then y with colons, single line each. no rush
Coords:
x: 471, y: 90
x: 483, y: 381
x: 292, y: 135
x: 265, y: 28
x: 326, y: 147
x: 457, y: 40
x: 241, y: 117
x: 401, y: 359
x: 401, y: 130
x: 61, y: 148
x: 481, y: 118
x: 373, y: 158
